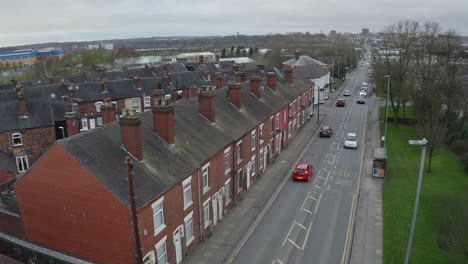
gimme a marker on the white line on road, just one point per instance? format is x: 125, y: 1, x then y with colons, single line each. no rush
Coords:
x: 286, y: 238
x: 307, y: 235
x: 303, y: 204
x: 318, y: 202
x: 303, y: 227
x: 292, y: 242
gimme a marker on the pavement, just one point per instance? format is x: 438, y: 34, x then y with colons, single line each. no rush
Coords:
x: 367, y: 244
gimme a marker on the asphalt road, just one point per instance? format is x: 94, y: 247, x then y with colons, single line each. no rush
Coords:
x: 308, y: 222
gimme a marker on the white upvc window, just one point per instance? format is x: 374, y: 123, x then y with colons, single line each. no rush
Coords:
x: 161, y: 251
x: 227, y: 185
x: 84, y: 123
x: 17, y: 140
x: 99, y: 120
x: 227, y: 160
x: 206, y: 213
x: 22, y: 163
x: 260, y: 134
x: 98, y: 106
x: 239, y: 151
x: 187, y: 186
x: 289, y: 129
x: 136, y: 103
x: 253, y: 140
x: 158, y: 215
x: 149, y: 258
x: 206, y: 177
x: 260, y: 159
x: 189, y: 234
x: 147, y: 101
x: 272, y: 125
x: 253, y: 165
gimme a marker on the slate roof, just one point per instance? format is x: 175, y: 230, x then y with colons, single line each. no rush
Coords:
x: 303, y: 61
x: 312, y: 71
x: 7, y: 162
x: 40, y: 114
x: 185, y: 80
x: 196, y: 141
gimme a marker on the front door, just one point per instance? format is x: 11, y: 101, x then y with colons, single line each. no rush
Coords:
x: 92, y: 123
x: 265, y: 156
x: 215, y: 209
x: 220, y: 203
x: 178, y: 246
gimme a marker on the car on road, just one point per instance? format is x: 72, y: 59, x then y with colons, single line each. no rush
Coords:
x: 361, y: 100
x: 350, y: 141
x: 302, y: 172
x: 363, y: 93
x: 326, y: 131
x: 347, y: 93
x: 340, y: 103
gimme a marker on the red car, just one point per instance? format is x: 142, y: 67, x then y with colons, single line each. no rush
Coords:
x: 302, y: 172
x: 340, y: 102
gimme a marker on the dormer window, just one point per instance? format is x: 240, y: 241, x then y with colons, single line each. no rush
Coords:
x: 17, y: 140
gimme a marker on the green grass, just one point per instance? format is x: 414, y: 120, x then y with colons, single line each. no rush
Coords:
x: 399, y: 190
x: 408, y: 112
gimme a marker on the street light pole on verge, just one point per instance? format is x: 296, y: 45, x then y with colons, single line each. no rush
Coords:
x: 423, y: 143
x: 386, y: 109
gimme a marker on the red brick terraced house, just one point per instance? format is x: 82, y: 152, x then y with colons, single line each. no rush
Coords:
x: 192, y: 159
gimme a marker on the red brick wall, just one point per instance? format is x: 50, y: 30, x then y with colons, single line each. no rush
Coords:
x: 174, y: 215
x: 6, y: 176
x: 64, y: 208
x: 11, y: 225
x: 35, y: 142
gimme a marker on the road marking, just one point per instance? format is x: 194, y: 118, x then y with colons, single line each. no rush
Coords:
x: 286, y: 238
x: 292, y: 242
x: 318, y: 202
x: 329, y: 156
x: 303, y: 227
x: 279, y: 261
x: 345, y: 252
x: 317, y: 186
x: 311, y: 197
x: 303, y: 204
x: 307, y: 235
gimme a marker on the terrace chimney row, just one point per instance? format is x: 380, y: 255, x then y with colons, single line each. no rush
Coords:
x: 206, y: 102
x: 219, y: 80
x: 72, y: 120
x: 108, y: 111
x: 22, y: 108
x: 288, y: 75
x: 255, y: 85
x: 271, y: 80
x: 130, y: 130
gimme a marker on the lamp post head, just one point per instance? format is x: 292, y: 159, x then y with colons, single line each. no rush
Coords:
x: 387, y: 76
x: 419, y: 142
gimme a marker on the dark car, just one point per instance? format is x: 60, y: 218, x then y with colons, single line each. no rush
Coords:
x: 340, y: 102
x: 361, y: 100
x: 302, y: 172
x: 326, y: 131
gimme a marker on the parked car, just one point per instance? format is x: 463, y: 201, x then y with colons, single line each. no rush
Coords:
x: 302, y: 172
x: 361, y: 100
x: 340, y: 103
x: 347, y: 93
x: 326, y: 131
x: 351, y: 141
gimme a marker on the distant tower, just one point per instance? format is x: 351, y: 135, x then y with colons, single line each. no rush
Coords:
x: 332, y: 34
x: 365, y: 32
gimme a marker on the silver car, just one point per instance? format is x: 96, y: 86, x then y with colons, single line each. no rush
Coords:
x: 351, y: 141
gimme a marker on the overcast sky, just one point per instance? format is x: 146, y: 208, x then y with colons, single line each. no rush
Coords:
x: 28, y: 21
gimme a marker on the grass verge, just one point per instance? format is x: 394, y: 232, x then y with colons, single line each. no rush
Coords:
x: 447, y: 181
x: 408, y: 112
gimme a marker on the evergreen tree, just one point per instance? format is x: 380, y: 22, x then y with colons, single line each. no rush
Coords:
x: 223, y: 53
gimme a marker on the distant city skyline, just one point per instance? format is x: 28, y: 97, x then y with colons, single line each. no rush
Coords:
x: 25, y: 22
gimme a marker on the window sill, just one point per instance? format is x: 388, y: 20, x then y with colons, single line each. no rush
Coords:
x: 228, y: 202
x: 19, y: 145
x: 159, y: 229
x: 227, y: 171
x: 188, y: 205
x: 206, y: 189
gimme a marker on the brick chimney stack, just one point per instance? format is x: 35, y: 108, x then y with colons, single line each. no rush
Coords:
x: 206, y: 102
x: 288, y: 75
x: 103, y: 86
x: 130, y: 130
x: 235, y: 67
x: 235, y: 94
x: 260, y: 67
x: 201, y: 59
x: 163, y: 119
x: 225, y: 67
x: 219, y: 80
x: 271, y: 80
x: 296, y: 55
x: 72, y: 119
x: 137, y: 82
x: 255, y: 85
x: 168, y: 78
x: 22, y: 108
x: 217, y: 58
x: 63, y: 89
x: 158, y: 94
x: 193, y: 91
x: 108, y: 111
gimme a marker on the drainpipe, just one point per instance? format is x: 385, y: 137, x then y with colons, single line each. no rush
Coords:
x: 131, y: 192
x: 199, y: 206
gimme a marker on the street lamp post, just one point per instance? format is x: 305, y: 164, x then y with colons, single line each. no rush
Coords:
x: 386, y: 109
x: 423, y: 143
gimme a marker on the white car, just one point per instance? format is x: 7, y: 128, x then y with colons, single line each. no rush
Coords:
x: 351, y: 141
x: 363, y: 93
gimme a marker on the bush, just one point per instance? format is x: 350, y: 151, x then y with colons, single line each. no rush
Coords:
x: 464, y: 160
x: 457, y: 135
x: 459, y: 146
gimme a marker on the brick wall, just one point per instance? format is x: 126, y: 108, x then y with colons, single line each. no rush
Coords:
x: 35, y: 141
x: 64, y: 208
